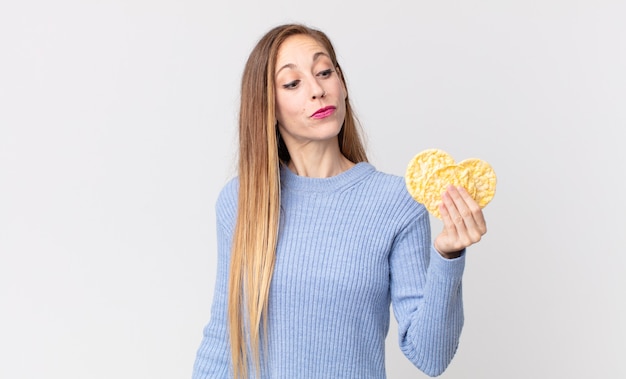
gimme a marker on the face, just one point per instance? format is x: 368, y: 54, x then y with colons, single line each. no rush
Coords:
x: 310, y: 96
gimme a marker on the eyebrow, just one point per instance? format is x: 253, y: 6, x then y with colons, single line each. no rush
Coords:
x: 316, y: 56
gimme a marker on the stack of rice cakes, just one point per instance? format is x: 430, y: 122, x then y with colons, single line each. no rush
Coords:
x: 431, y: 171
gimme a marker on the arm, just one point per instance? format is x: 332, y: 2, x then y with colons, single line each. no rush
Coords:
x: 426, y: 297
x: 213, y: 356
x: 426, y: 281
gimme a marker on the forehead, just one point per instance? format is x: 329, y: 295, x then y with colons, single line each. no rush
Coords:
x: 299, y: 47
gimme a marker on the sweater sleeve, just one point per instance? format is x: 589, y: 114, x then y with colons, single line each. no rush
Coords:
x: 213, y: 356
x: 426, y: 297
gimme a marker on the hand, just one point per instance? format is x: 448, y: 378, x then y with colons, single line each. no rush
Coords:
x: 463, y: 222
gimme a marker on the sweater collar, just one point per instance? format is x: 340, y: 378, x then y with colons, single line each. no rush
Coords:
x: 292, y: 182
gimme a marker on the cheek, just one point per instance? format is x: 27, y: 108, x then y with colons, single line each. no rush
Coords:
x: 280, y: 109
x: 288, y: 107
x: 282, y: 105
x: 343, y: 90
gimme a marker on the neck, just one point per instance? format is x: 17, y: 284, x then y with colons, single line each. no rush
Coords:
x: 323, y: 163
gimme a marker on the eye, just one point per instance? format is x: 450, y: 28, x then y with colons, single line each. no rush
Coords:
x: 292, y: 84
x: 326, y: 73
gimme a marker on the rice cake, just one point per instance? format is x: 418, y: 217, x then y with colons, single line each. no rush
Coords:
x: 430, y: 172
x: 440, y: 179
x: 484, y: 178
x: 421, y: 166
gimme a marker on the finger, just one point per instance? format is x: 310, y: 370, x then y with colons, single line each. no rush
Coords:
x: 471, y: 214
x: 473, y: 210
x: 454, y: 214
x: 453, y: 225
x: 448, y: 223
x: 462, y: 216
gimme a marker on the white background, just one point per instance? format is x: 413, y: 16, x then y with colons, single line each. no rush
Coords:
x: 117, y: 130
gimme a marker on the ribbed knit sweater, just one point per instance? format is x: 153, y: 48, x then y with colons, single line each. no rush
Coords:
x: 349, y: 246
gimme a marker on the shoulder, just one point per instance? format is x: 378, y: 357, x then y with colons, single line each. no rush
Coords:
x: 391, y: 185
x: 229, y: 192
x: 226, y: 204
x: 389, y: 182
x: 390, y: 191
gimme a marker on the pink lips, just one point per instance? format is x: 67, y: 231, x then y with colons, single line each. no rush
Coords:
x: 323, y: 112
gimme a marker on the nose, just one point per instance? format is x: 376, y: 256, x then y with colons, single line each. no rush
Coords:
x: 318, y: 92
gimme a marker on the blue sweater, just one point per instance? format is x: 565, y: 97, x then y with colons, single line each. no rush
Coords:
x: 349, y: 246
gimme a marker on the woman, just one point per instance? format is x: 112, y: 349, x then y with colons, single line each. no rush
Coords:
x: 314, y: 244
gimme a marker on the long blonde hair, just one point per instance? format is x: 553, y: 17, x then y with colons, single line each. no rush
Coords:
x: 261, y: 152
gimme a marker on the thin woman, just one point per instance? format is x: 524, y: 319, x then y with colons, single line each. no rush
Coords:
x: 315, y: 244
